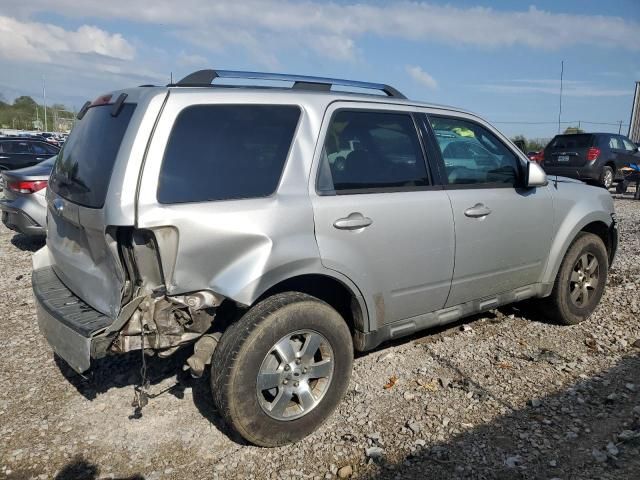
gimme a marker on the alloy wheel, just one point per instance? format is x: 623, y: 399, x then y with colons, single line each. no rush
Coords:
x: 295, y: 375
x: 584, y: 279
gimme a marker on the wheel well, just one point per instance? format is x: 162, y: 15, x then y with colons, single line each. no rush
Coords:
x: 327, y: 289
x: 612, y: 165
x: 601, y: 230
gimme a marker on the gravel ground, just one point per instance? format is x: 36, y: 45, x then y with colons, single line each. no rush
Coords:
x: 501, y: 395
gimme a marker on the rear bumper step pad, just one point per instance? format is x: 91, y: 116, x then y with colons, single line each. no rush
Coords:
x: 68, y: 323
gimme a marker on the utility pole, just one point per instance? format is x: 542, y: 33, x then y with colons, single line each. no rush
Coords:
x: 620, y: 127
x: 37, y: 117
x: 560, y: 111
x: 44, y: 97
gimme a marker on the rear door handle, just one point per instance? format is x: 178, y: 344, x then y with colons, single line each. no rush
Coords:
x: 353, y: 221
x: 477, y: 211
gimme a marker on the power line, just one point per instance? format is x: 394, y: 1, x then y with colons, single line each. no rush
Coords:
x: 614, y: 124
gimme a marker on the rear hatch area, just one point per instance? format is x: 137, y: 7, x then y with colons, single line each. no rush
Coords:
x: 83, y: 254
x: 568, y: 150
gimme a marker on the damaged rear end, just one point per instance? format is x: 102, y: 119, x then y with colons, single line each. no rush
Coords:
x: 99, y: 282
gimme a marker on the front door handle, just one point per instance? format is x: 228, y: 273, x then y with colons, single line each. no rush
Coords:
x: 353, y: 221
x: 477, y: 211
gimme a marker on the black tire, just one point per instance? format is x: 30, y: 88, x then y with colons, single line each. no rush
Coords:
x: 559, y: 305
x: 242, y: 349
x: 606, y: 177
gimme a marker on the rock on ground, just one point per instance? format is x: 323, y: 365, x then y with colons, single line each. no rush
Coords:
x: 513, y: 396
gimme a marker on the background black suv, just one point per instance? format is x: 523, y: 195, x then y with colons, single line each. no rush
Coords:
x: 593, y: 157
x: 19, y: 152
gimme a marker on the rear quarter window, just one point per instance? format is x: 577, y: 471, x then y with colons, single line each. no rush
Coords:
x: 225, y: 152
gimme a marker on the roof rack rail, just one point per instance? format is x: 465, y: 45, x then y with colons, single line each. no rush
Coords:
x: 203, y: 78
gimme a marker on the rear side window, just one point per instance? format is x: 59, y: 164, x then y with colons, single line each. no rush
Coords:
x: 85, y: 163
x: 224, y: 152
x: 615, y: 143
x: 16, y: 147
x: 371, y: 151
x: 567, y: 142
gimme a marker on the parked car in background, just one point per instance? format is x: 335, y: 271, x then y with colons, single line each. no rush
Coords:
x: 20, y: 152
x: 537, y: 157
x: 193, y: 216
x: 51, y: 138
x: 24, y: 206
x: 592, y: 157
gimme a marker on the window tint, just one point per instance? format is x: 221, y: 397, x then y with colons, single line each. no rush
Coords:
x: 371, y: 150
x: 628, y: 144
x: 616, y: 143
x: 43, y: 149
x: 222, y: 152
x: 472, y: 154
x: 16, y: 147
x: 85, y: 163
x: 571, y: 141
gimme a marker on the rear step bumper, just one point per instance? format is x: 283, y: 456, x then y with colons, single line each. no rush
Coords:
x: 69, y: 324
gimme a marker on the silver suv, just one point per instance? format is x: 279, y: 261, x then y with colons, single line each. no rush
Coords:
x: 276, y: 230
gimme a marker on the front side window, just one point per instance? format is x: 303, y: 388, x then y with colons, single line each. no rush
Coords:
x: 224, y: 152
x: 628, y: 145
x: 473, y: 155
x: 366, y: 150
x: 43, y: 149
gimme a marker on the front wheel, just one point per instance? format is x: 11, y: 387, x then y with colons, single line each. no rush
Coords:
x: 282, y: 369
x: 580, y: 282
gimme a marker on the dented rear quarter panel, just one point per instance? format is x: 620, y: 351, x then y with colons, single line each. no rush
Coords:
x: 237, y: 248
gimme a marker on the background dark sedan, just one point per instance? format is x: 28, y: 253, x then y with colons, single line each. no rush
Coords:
x: 24, y: 206
x: 20, y: 152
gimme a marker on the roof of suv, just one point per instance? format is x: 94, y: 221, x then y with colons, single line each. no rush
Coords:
x: 301, y: 86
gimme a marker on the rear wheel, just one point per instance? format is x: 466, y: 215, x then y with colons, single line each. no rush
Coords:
x: 606, y: 177
x: 281, y: 370
x: 580, y: 282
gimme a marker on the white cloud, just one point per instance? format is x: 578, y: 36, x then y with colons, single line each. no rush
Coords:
x: 422, y: 77
x: 570, y: 88
x: 333, y: 30
x: 42, y: 42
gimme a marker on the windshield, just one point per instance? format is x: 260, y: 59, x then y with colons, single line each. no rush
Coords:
x: 85, y: 163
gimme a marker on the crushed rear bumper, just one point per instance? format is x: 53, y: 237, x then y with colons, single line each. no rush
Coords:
x: 70, y: 325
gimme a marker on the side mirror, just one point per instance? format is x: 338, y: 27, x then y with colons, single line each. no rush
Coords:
x: 536, y: 177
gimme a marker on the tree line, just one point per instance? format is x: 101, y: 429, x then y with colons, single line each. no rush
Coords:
x: 26, y: 114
